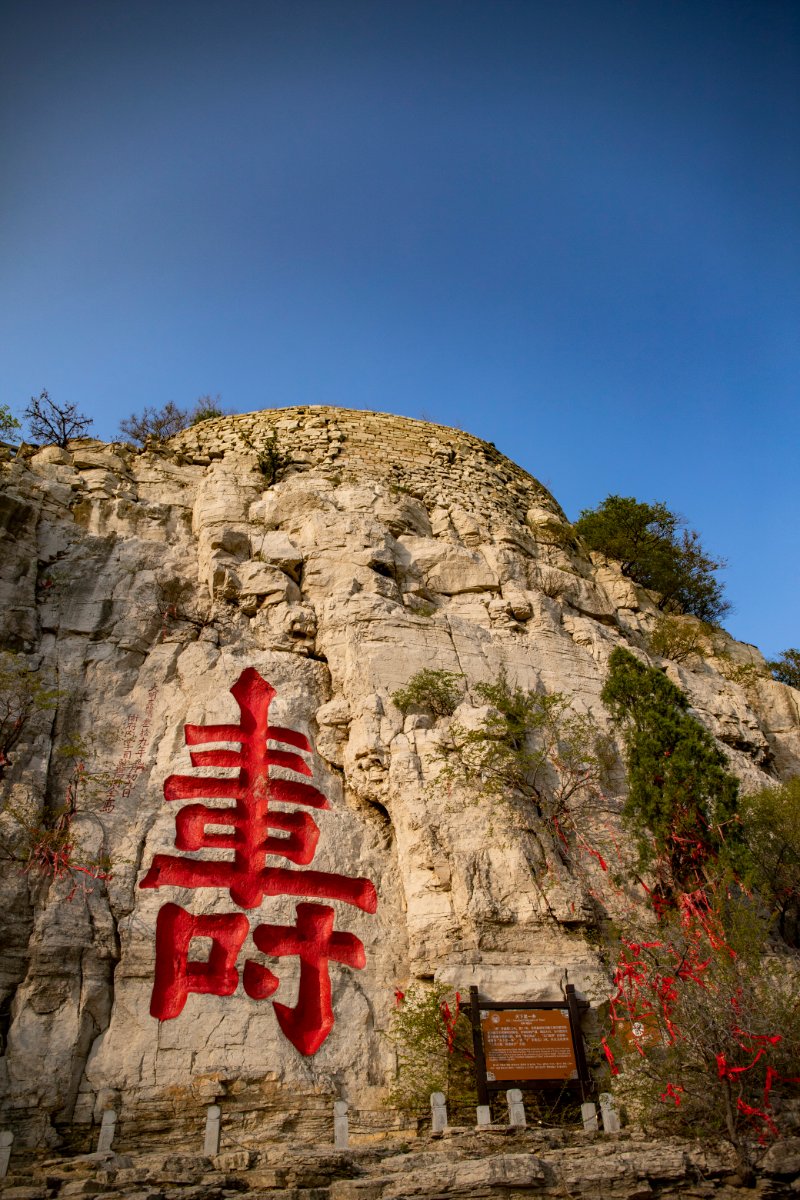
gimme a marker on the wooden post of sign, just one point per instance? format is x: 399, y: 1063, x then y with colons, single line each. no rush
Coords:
x: 477, y: 1046
x: 584, y: 1077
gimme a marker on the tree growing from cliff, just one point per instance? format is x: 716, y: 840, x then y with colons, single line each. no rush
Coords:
x: 706, y: 1025
x: 271, y: 459
x: 530, y: 744
x: 8, y: 423
x: 55, y: 424
x: 679, y: 638
x: 786, y: 669
x: 654, y: 548
x: 532, y: 751
x: 23, y: 695
x: 206, y: 409
x: 436, y: 692
x: 705, y: 1017
x: 432, y: 1036
x: 682, y: 800
x: 771, y: 827
x: 159, y: 424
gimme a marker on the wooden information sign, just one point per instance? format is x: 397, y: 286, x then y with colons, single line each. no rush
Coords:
x: 527, y: 1044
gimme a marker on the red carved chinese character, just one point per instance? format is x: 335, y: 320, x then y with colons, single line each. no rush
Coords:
x: 247, y: 827
x: 249, y: 820
x: 314, y: 942
x: 176, y: 976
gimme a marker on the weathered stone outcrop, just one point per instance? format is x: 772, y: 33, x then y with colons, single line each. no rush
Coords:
x: 143, y: 584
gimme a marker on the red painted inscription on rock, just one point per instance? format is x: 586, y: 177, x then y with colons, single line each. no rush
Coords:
x: 255, y: 832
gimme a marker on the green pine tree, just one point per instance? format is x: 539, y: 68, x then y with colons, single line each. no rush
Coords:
x: 682, y: 800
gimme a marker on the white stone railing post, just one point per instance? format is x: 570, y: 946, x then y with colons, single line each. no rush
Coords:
x: 341, y: 1125
x: 438, y: 1112
x: 589, y: 1115
x: 609, y: 1113
x: 516, y: 1109
x: 106, y: 1139
x: 484, y: 1115
x: 213, y: 1128
x: 6, y: 1142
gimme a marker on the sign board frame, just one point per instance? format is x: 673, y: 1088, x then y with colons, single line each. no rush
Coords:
x: 573, y: 1007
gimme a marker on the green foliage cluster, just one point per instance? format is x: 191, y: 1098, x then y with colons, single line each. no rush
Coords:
x: 42, y: 841
x: 678, y: 639
x: 272, y: 460
x: 786, y: 669
x: 553, y: 532
x: 156, y: 423
x: 771, y: 824
x: 9, y: 425
x: 433, y: 1041
x: 436, y: 692
x: 206, y: 409
x: 707, y: 1014
x: 159, y: 424
x: 531, y: 745
x: 745, y: 674
x: 54, y: 424
x: 655, y: 549
x: 682, y: 800
x: 714, y: 999
x: 23, y: 694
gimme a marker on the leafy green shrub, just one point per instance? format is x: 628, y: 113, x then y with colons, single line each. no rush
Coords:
x: 678, y: 639
x: 433, y: 1039
x: 654, y: 548
x: 718, y: 1027
x: 206, y: 409
x: 745, y: 674
x: 531, y: 745
x: 23, y: 694
x: 546, y: 762
x: 555, y: 533
x: 436, y: 692
x: 786, y: 669
x: 771, y: 826
x: 272, y: 461
x: 682, y: 800
x: 8, y: 423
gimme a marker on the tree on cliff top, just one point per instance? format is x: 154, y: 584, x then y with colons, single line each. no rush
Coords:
x: 8, y: 423
x: 786, y: 669
x: 655, y: 549
x: 55, y: 424
x: 162, y: 423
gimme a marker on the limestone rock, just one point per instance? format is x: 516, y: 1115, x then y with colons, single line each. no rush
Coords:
x: 145, y: 585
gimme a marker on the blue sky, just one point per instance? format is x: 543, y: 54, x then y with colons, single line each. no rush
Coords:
x: 572, y: 228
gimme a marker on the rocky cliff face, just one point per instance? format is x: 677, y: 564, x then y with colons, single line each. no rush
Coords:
x: 312, y: 560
